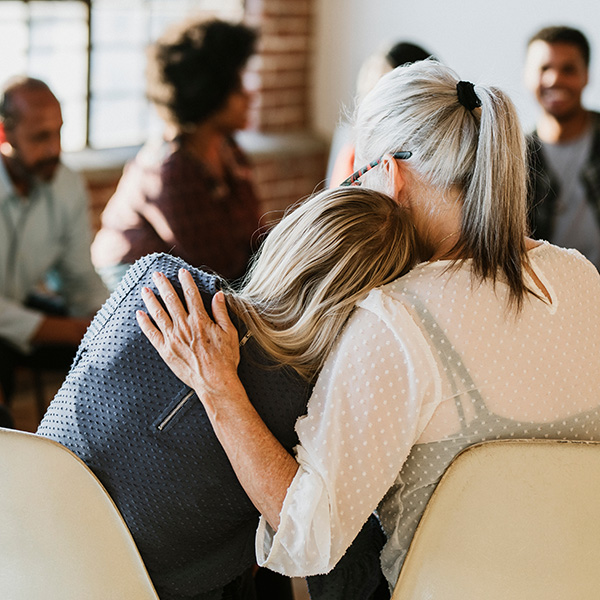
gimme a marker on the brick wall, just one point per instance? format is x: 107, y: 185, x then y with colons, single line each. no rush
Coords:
x: 282, y: 64
x: 289, y: 162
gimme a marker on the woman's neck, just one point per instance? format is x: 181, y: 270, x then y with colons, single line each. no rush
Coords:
x: 206, y: 144
x: 437, y: 220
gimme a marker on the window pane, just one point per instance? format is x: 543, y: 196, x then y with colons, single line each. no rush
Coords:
x: 117, y: 70
x: 74, y: 119
x: 63, y: 70
x: 58, y: 24
x: 58, y: 55
x: 115, y: 24
x: 58, y: 10
x: 48, y: 39
x: 121, y: 32
x: 118, y: 121
x: 13, y: 39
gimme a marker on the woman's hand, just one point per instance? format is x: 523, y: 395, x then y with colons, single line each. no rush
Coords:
x: 205, y: 354
x: 201, y: 352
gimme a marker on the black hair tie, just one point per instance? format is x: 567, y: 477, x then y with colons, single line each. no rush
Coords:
x: 467, y: 96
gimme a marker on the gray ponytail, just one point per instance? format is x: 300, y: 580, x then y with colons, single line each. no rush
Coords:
x: 482, y: 151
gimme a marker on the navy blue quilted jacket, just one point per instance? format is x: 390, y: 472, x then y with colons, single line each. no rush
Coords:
x: 148, y: 439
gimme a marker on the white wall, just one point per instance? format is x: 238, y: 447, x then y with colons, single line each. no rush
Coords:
x: 483, y: 40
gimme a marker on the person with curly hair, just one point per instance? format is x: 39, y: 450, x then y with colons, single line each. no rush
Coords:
x: 192, y: 194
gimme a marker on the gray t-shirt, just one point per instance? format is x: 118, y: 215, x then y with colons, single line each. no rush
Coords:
x: 576, y: 224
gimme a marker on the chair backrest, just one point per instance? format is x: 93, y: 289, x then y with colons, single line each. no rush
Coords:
x: 510, y: 519
x: 61, y: 536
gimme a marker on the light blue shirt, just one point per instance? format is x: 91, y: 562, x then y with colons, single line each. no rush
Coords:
x: 46, y: 231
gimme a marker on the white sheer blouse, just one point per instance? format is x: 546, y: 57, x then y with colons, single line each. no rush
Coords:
x: 427, y: 365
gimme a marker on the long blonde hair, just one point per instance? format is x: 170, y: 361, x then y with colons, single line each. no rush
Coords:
x: 482, y: 151
x: 313, y: 267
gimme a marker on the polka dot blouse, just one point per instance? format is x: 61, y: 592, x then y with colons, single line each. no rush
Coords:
x: 426, y: 366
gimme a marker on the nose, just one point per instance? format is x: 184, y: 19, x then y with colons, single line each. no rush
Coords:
x: 550, y: 77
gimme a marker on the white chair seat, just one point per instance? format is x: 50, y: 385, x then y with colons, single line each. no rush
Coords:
x: 516, y: 519
x: 61, y: 536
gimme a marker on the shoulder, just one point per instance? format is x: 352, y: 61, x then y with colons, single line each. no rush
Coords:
x: 179, y: 168
x: 534, y: 146
x: 395, y: 306
x: 596, y: 129
x: 567, y: 271
x: 64, y: 174
x: 563, y: 261
x: 153, y: 156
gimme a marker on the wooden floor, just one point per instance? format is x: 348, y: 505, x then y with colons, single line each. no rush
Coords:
x: 24, y: 408
x: 26, y: 416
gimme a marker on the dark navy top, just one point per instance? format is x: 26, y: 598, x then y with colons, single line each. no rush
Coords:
x: 148, y: 439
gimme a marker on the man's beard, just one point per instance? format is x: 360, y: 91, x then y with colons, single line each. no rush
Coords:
x: 41, y: 170
x: 44, y: 169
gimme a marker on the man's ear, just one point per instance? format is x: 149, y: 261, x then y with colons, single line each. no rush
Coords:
x: 6, y: 147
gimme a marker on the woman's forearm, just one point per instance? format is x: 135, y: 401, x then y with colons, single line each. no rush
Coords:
x: 204, y: 354
x: 262, y: 465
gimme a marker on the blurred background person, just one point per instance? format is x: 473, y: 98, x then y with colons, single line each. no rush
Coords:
x: 191, y: 195
x: 341, y: 157
x: 564, y: 149
x: 48, y: 287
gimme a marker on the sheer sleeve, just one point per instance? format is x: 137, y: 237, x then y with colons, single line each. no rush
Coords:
x: 376, y: 392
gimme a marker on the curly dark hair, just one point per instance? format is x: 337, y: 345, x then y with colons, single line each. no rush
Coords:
x: 561, y: 34
x: 193, y: 69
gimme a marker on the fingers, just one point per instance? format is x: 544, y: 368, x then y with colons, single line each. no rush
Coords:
x: 191, y: 294
x: 175, y: 320
x: 155, y: 309
x: 169, y: 296
x: 220, y: 313
x: 154, y: 336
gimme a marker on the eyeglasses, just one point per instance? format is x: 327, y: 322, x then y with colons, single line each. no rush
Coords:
x: 358, y: 174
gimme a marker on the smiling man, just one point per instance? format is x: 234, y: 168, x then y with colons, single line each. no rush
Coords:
x: 44, y: 230
x: 564, y: 151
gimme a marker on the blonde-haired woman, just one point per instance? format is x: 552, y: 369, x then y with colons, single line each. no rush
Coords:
x: 493, y: 336
x: 146, y: 436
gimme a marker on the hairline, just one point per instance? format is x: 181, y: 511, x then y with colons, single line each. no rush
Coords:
x: 564, y: 35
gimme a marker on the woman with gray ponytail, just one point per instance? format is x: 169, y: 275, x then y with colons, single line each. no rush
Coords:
x: 491, y: 336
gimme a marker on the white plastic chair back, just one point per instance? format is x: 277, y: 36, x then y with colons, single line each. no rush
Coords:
x: 61, y: 535
x: 510, y: 519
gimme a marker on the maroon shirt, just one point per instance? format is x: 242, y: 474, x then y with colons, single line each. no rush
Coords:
x: 168, y: 201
